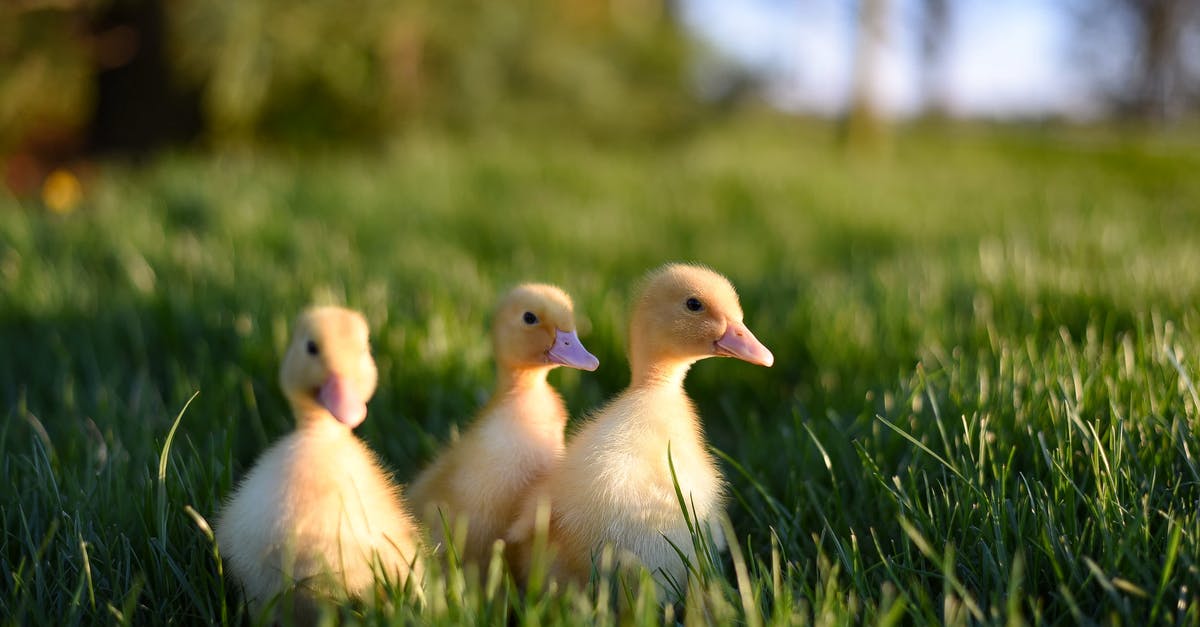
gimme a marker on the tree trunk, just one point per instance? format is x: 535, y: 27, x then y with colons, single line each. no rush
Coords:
x: 864, y: 124
x: 935, y: 31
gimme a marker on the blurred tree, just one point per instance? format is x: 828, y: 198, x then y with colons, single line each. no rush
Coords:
x: 864, y: 125
x: 133, y: 75
x: 935, y: 35
x: 287, y: 68
x: 1159, y: 78
x: 296, y: 68
x: 45, y: 88
x: 83, y: 76
x: 1159, y: 88
x: 139, y: 105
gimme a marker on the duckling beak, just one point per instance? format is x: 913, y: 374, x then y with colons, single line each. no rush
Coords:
x: 341, y: 401
x: 739, y: 342
x: 569, y: 351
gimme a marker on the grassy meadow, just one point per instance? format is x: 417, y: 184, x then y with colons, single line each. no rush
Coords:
x: 984, y: 406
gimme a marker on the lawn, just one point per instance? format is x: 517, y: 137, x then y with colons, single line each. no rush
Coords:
x: 983, y: 407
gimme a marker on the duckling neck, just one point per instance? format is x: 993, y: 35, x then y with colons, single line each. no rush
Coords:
x: 524, y: 400
x: 659, y: 374
x: 509, y: 380
x: 310, y: 413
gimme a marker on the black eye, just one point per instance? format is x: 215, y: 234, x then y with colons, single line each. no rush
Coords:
x: 312, y: 348
x: 529, y: 318
x: 694, y: 304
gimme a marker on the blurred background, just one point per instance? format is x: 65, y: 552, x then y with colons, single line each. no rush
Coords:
x: 985, y: 209
x: 86, y: 78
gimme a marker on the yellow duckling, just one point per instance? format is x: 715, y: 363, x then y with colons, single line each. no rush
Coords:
x: 478, y: 481
x: 317, y: 511
x: 613, y: 484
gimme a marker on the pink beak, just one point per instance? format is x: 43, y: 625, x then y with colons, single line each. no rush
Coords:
x: 569, y: 351
x: 739, y: 342
x: 343, y: 402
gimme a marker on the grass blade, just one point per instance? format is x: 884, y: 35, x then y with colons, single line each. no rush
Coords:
x: 162, y: 469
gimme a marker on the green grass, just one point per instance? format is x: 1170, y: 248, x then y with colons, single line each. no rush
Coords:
x: 983, y: 408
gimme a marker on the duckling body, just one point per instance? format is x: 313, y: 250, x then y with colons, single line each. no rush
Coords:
x: 317, y: 511
x: 613, y: 485
x: 479, y: 480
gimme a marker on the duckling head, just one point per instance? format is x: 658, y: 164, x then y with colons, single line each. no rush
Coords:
x: 328, y: 367
x: 685, y: 313
x: 534, y: 328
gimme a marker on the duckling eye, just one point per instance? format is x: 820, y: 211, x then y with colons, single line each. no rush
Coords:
x: 312, y: 348
x: 693, y: 304
x: 529, y: 318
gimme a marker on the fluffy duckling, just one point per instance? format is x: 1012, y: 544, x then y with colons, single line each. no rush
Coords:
x: 613, y: 484
x: 478, y: 480
x: 317, y: 511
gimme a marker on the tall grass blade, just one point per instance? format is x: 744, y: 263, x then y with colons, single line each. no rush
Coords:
x: 162, y: 470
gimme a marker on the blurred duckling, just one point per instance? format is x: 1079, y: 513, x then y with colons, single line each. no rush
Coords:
x: 317, y: 515
x: 613, y: 485
x: 478, y: 481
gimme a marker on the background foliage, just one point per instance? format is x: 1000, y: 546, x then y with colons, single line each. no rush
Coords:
x: 314, y: 71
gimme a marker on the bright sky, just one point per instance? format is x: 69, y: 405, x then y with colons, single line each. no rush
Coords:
x: 1004, y: 58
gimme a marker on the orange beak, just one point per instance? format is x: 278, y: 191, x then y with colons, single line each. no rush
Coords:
x: 739, y: 342
x: 569, y: 351
x: 342, y: 401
